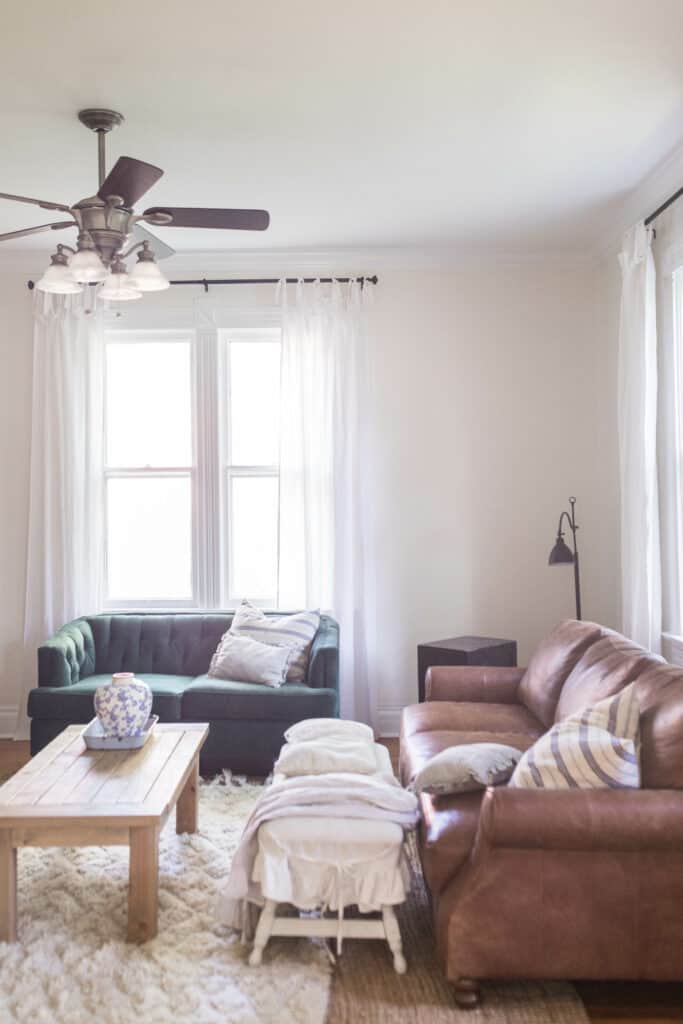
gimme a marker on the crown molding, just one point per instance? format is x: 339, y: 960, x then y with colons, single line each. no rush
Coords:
x: 323, y: 262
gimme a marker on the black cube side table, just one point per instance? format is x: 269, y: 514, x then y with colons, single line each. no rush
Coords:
x: 463, y: 650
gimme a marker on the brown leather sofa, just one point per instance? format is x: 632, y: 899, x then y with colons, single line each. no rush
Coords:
x: 553, y: 884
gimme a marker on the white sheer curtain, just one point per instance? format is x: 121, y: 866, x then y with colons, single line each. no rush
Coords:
x: 64, y: 564
x: 640, y: 554
x: 323, y: 470
x: 668, y: 253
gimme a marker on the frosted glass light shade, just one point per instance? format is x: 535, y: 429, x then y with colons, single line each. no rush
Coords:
x: 86, y: 266
x: 118, y: 288
x: 57, y: 280
x: 147, y: 277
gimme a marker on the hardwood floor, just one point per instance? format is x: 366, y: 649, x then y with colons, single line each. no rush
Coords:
x: 606, y: 1002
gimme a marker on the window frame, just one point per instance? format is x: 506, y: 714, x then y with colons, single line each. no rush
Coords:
x: 211, y: 472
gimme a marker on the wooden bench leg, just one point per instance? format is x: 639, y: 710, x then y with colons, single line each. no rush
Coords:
x: 263, y: 930
x: 186, y: 816
x: 393, y: 934
x: 143, y: 888
x: 8, y: 888
x: 467, y: 993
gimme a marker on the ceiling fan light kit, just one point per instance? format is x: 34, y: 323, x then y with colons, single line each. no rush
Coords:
x: 105, y: 222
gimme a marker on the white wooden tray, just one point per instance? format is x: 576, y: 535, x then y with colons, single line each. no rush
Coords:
x: 95, y: 739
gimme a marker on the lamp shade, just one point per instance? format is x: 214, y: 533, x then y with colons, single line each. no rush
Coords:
x: 86, y: 266
x: 147, y: 277
x: 561, y: 553
x: 117, y: 288
x: 57, y: 278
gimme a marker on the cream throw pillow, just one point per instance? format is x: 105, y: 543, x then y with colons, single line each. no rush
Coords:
x: 318, y: 728
x: 296, y: 631
x: 465, y: 768
x: 328, y: 754
x: 248, y: 661
x: 596, y: 748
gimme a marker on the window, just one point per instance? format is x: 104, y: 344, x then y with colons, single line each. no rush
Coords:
x: 191, y: 473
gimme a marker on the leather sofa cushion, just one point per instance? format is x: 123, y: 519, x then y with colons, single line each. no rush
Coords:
x: 660, y: 695
x: 551, y: 664
x: 469, y: 716
x: 602, y: 671
x: 207, y: 699
x: 75, y: 703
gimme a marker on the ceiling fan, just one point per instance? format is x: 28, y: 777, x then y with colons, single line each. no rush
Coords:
x: 106, y: 223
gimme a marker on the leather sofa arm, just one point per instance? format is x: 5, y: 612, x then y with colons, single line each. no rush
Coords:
x: 582, y: 819
x: 477, y: 683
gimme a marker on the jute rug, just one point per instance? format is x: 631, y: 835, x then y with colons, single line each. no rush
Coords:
x: 366, y: 989
x: 72, y: 965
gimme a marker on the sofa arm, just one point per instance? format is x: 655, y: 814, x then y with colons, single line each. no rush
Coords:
x: 473, y: 683
x: 68, y: 656
x: 582, y: 819
x: 323, y: 663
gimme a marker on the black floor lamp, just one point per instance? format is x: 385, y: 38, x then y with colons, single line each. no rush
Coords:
x: 563, y: 555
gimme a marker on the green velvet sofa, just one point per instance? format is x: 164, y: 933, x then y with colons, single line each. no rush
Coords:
x: 171, y: 652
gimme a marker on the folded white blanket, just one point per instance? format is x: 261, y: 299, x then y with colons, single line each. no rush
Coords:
x: 327, y: 754
x: 337, y: 795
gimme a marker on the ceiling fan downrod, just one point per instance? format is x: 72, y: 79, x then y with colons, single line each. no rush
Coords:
x: 100, y: 121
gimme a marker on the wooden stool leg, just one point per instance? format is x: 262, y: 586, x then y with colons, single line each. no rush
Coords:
x: 8, y: 888
x: 393, y: 934
x: 263, y: 930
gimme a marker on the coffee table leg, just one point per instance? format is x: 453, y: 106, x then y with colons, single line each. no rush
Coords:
x: 143, y: 889
x: 8, y: 888
x: 186, y: 807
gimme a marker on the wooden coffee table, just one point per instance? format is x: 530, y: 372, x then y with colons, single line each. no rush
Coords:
x: 68, y: 795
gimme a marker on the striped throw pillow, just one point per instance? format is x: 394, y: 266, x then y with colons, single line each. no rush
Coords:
x: 296, y: 631
x: 596, y: 748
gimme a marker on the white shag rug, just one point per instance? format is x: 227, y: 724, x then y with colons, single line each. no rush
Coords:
x: 72, y: 964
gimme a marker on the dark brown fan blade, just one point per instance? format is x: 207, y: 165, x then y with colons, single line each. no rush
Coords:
x: 129, y: 179
x: 196, y: 217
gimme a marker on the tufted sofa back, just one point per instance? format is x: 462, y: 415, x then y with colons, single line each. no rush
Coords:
x: 173, y: 644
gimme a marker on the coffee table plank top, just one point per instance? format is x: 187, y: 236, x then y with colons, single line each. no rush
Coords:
x: 68, y: 782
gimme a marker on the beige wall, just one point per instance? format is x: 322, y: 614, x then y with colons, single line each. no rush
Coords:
x: 495, y: 400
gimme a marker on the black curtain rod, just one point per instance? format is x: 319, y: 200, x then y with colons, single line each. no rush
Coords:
x: 276, y: 280
x: 265, y: 280
x: 665, y: 206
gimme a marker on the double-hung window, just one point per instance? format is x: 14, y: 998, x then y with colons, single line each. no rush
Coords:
x: 191, y: 472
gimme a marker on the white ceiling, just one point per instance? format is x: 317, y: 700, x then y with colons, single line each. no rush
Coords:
x: 514, y: 124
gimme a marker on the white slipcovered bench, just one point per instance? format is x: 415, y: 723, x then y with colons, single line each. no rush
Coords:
x: 329, y: 864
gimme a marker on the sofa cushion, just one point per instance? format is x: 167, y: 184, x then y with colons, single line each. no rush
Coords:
x: 605, y: 668
x: 551, y: 664
x: 660, y: 695
x: 207, y: 699
x: 181, y: 644
x: 469, y: 717
x: 75, y: 703
x: 448, y: 825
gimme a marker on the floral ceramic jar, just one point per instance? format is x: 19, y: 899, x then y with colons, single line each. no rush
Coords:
x: 123, y: 705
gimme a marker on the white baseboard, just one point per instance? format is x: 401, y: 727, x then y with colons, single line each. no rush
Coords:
x: 8, y: 721
x: 389, y: 719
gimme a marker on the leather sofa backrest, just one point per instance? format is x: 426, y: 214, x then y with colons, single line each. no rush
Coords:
x: 604, y: 669
x: 551, y: 664
x: 660, y: 695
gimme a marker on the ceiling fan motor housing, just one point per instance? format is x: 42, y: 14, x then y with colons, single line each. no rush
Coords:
x: 107, y: 224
